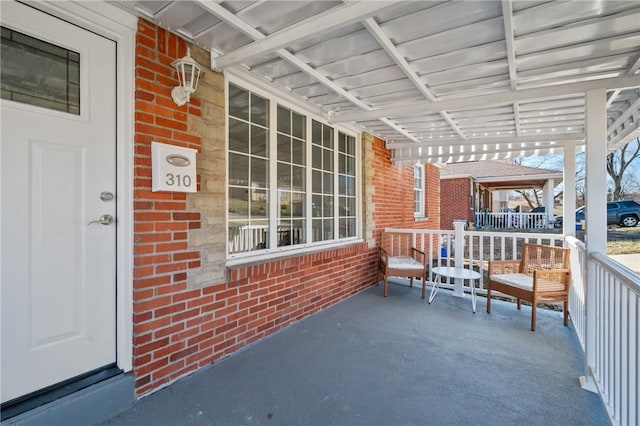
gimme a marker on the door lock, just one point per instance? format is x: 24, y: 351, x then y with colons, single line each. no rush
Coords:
x: 106, y: 196
x: 105, y: 219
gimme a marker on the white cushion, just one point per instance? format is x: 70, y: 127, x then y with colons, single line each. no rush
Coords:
x: 522, y: 281
x: 404, y: 262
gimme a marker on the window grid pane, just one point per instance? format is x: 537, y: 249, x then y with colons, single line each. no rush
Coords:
x: 291, y: 177
x: 347, y: 186
x: 255, y: 149
x: 248, y: 171
x: 322, y: 186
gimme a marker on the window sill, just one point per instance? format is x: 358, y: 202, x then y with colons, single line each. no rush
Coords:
x: 268, y: 255
x: 420, y: 218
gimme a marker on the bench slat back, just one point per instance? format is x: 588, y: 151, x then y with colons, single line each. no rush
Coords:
x: 536, y: 256
x: 397, y: 244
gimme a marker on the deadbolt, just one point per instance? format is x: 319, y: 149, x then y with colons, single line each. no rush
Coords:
x: 106, y: 196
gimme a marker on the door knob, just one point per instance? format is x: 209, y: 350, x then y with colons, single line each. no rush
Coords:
x: 105, y: 219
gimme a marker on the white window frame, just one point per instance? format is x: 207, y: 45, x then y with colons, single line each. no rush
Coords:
x: 418, y: 191
x: 275, y: 98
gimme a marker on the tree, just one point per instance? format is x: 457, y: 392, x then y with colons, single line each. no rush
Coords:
x: 533, y: 197
x: 618, y: 163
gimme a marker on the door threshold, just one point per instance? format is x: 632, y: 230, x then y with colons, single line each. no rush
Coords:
x: 49, y: 394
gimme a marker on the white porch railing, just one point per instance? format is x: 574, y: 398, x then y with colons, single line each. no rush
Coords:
x: 512, y: 220
x: 478, y: 248
x: 613, y: 338
x: 578, y: 290
x: 610, y: 332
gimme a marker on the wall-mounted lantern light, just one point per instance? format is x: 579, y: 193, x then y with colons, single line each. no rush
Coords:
x: 188, y: 75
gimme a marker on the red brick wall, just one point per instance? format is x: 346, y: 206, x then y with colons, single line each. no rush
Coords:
x: 393, y: 194
x: 161, y: 221
x: 177, y: 329
x: 455, y: 205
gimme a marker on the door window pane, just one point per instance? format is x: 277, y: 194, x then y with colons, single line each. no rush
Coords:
x: 38, y: 73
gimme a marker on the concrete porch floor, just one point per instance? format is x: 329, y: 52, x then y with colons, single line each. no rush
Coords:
x: 371, y: 360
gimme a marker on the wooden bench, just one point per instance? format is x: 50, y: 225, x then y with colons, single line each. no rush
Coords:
x: 399, y: 258
x: 541, y: 276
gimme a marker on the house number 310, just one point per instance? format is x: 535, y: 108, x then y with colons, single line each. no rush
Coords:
x: 178, y: 180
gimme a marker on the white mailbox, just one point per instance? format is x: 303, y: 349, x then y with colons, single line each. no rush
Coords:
x: 173, y: 168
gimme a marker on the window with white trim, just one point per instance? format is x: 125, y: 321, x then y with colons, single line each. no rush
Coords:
x: 308, y: 167
x: 322, y: 178
x: 347, y: 184
x: 418, y: 190
x: 291, y: 177
x: 248, y: 171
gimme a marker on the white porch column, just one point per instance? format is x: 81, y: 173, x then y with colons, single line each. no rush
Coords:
x: 596, y: 171
x: 547, y: 199
x: 596, y: 211
x: 569, y: 180
x: 458, y: 229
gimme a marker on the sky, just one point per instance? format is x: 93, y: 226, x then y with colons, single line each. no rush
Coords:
x: 555, y: 162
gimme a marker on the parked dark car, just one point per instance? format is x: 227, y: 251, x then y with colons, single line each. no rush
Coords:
x: 537, y: 222
x: 623, y: 212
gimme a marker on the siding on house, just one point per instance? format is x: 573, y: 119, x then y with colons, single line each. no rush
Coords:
x: 190, y: 310
x: 455, y: 203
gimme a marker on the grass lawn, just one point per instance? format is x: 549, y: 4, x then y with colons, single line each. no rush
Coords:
x: 621, y: 244
x: 623, y: 247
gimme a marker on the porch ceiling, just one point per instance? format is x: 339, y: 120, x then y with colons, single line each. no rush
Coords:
x: 438, y: 80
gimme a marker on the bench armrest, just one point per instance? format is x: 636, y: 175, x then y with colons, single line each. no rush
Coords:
x: 553, y: 276
x: 419, y: 255
x: 384, y: 256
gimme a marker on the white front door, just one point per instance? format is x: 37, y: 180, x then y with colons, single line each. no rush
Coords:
x: 58, y: 177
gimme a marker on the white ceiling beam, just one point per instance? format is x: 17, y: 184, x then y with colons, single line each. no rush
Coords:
x: 516, y: 116
x: 507, y: 18
x: 306, y: 68
x: 560, y: 138
x: 634, y: 66
x: 399, y: 129
x: 413, y: 155
x: 465, y: 103
x: 633, y: 108
x: 374, y: 29
x: 447, y: 117
x: 166, y: 8
x: 231, y: 19
x: 218, y: 24
x: 337, y: 17
x: 612, y: 97
x: 624, y: 137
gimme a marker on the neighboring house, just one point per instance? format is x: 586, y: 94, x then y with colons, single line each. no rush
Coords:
x: 103, y: 276
x: 471, y: 187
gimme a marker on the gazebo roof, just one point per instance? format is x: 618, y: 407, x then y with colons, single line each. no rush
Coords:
x: 500, y: 174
